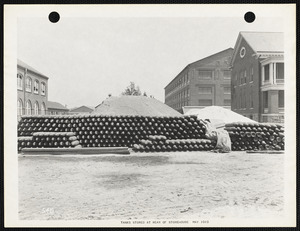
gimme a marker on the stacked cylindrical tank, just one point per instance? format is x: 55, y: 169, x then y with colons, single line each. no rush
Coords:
x: 256, y: 136
x: 124, y: 131
x: 114, y: 131
x: 24, y: 142
x: 49, y: 140
x: 31, y: 124
x: 162, y: 144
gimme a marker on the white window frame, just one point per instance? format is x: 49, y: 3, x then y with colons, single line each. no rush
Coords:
x: 28, y: 108
x: 36, y: 87
x: 20, y: 107
x: 28, y: 84
x: 43, y: 88
x: 20, y: 82
x: 36, y: 108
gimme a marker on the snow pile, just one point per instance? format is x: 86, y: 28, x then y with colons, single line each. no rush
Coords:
x: 134, y: 105
x: 218, y: 114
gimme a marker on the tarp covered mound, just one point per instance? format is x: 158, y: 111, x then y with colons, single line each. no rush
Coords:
x: 134, y: 105
x: 217, y: 113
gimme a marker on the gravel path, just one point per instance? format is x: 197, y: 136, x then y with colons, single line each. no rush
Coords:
x: 151, y: 186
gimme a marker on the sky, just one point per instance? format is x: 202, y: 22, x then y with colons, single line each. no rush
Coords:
x: 88, y: 58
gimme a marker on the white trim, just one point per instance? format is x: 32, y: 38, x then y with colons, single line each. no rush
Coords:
x: 268, y: 60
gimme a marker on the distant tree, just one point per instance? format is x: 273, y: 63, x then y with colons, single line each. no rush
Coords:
x: 109, y: 95
x: 132, y: 90
x: 145, y: 94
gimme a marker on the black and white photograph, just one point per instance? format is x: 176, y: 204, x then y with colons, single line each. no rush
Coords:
x: 150, y: 115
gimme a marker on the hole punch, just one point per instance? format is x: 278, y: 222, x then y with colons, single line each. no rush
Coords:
x: 249, y: 17
x: 54, y: 17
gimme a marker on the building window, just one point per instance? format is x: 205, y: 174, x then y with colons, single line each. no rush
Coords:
x: 281, y: 99
x: 265, y: 99
x: 227, y: 90
x: 28, y: 84
x: 267, y: 73
x: 245, y: 76
x: 205, y: 102
x: 36, y: 87
x: 251, y: 73
x: 245, y: 99
x: 279, y: 72
x: 241, y: 77
x: 227, y: 102
x: 205, y: 74
x: 43, y: 88
x: 36, y: 108
x: 28, y: 108
x: 20, y: 82
x: 251, y: 98
x: 20, y: 107
x: 227, y: 74
x: 188, y: 92
x: 205, y: 90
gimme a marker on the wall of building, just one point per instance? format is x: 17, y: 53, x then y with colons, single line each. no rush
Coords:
x: 183, y: 90
x: 217, y: 83
x: 178, y: 91
x: 246, y: 94
x: 33, y: 97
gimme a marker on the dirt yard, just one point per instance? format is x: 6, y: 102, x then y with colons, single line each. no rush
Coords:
x: 176, y: 185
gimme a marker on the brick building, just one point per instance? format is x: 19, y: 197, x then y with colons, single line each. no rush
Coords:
x: 257, y: 83
x: 32, y: 88
x: 205, y: 82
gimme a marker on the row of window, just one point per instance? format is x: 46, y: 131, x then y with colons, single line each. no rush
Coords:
x: 280, y: 99
x: 243, y: 76
x: 202, y: 75
x: 180, y: 104
x: 209, y: 90
x: 29, y: 110
x: 180, y: 82
x: 37, y: 86
x: 209, y: 102
x: 279, y: 73
x: 181, y: 95
x: 208, y: 74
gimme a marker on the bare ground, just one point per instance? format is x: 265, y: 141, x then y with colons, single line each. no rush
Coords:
x: 151, y: 186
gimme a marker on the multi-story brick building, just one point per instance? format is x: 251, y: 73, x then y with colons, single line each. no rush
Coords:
x: 32, y: 90
x: 205, y: 82
x: 257, y: 83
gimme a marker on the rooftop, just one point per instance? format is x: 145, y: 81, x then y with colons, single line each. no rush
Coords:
x: 264, y: 41
x: 200, y: 61
x: 25, y: 65
x: 55, y: 105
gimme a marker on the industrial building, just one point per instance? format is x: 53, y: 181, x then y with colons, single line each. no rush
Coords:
x: 205, y: 82
x: 257, y: 83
